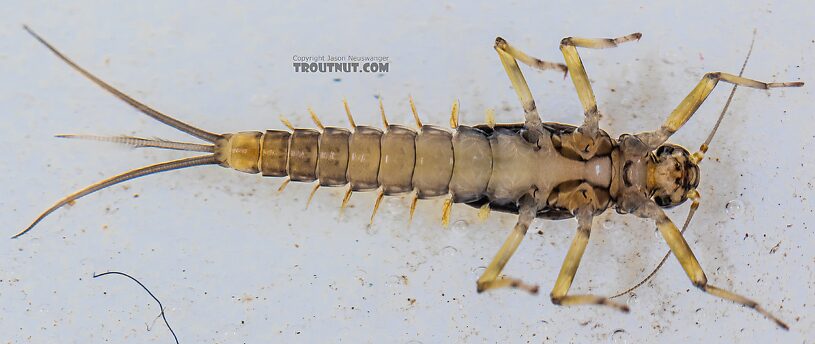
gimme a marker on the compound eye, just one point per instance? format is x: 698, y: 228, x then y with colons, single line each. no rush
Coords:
x: 662, y: 201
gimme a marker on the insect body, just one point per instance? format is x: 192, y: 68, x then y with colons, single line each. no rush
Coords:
x: 533, y: 169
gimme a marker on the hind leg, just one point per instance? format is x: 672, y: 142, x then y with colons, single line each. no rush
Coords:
x: 490, y: 279
x: 510, y: 56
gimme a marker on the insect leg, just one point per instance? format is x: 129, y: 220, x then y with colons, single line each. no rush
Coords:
x: 683, y: 253
x: 694, y: 197
x: 530, y: 61
x: 568, y: 46
x: 569, y: 269
x: 490, y: 278
x: 508, y: 55
x: 695, y: 98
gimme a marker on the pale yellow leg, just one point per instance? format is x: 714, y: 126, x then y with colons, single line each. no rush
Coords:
x: 532, y: 120
x: 531, y: 61
x: 568, y: 46
x: 694, y: 196
x: 569, y: 269
x: 694, y: 271
x: 695, y: 98
x: 490, y: 279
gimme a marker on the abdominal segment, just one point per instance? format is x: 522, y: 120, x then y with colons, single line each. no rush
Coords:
x: 467, y: 165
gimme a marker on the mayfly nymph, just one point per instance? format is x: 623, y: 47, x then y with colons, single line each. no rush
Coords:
x: 532, y: 169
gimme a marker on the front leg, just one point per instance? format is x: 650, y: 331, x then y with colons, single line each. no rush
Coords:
x: 686, y: 258
x: 572, y: 262
x: 695, y: 98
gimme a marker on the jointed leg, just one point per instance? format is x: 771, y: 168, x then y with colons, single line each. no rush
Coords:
x: 530, y: 61
x: 569, y: 268
x: 695, y: 98
x: 581, y: 80
x: 683, y: 253
x: 490, y: 278
x: 508, y: 55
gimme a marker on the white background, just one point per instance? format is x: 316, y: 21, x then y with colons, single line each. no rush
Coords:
x: 233, y: 261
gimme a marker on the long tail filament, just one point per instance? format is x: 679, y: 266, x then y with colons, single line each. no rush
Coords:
x: 208, y: 159
x: 138, y: 142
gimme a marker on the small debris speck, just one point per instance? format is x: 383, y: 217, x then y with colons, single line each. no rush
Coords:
x: 775, y: 248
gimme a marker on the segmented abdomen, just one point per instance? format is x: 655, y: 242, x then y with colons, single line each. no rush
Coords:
x: 432, y: 161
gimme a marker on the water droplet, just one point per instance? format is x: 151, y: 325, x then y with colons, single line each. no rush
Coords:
x: 395, y: 281
x: 669, y: 56
x: 633, y: 300
x: 229, y: 333
x: 260, y: 100
x: 413, y: 342
x: 360, y: 275
x: 407, y: 118
x: 608, y: 224
x: 479, y: 270
x: 448, y: 251
x: 734, y: 208
x: 701, y: 316
x: 659, y: 236
x: 620, y: 336
x: 371, y: 229
x: 544, y: 326
x: 460, y: 225
x: 394, y: 205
